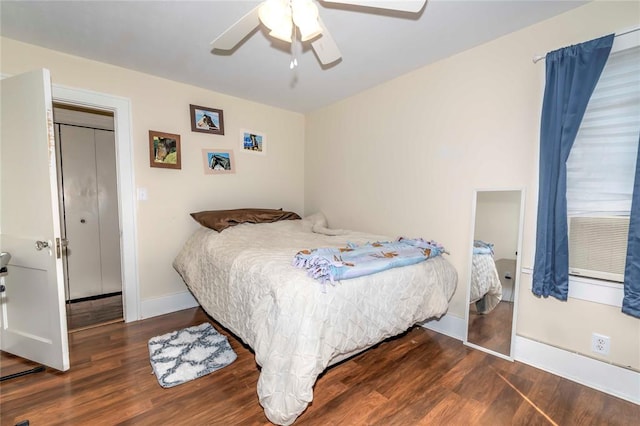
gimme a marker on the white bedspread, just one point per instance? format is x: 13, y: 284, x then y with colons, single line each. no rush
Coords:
x: 485, y: 282
x: 243, y: 278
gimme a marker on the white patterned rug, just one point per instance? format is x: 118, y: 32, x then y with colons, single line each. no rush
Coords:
x: 187, y: 354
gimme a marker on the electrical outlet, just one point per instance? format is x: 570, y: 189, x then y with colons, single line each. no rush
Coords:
x: 600, y: 344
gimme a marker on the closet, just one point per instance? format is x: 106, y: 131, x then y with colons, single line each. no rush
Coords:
x: 88, y: 195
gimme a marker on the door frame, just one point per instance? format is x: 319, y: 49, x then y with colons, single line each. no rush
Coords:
x: 121, y: 108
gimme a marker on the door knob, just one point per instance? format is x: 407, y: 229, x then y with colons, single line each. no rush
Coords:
x: 82, y: 221
x: 42, y: 244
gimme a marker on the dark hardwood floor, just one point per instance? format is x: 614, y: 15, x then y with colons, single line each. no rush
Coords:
x: 419, y: 378
x: 492, y: 330
x: 91, y: 313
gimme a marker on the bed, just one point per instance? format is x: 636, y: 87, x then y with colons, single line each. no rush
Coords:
x: 243, y: 277
x: 486, y: 288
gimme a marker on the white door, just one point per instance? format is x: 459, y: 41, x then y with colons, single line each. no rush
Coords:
x: 111, y: 268
x: 91, y: 221
x: 82, y: 219
x: 32, y: 321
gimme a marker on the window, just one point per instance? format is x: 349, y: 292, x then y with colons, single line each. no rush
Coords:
x: 601, y: 167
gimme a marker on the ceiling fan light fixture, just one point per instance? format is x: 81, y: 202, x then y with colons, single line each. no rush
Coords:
x: 309, y: 32
x: 281, y: 33
x: 275, y: 14
x: 305, y: 16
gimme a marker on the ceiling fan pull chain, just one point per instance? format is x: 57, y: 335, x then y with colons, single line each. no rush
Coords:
x: 294, y: 44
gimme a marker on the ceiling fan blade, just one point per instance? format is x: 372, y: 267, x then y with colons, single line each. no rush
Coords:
x: 325, y: 47
x: 413, y: 6
x: 238, y: 31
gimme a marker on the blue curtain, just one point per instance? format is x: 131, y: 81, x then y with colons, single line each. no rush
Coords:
x: 571, y: 76
x: 631, y: 300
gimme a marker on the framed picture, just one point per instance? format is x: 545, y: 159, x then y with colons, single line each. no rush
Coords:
x: 164, y: 150
x: 206, y: 120
x: 253, y: 142
x: 218, y: 161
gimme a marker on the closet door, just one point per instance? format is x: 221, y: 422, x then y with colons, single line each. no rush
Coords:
x: 81, y: 211
x: 108, y: 211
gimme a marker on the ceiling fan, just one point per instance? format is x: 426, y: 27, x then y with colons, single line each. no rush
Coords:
x: 289, y: 19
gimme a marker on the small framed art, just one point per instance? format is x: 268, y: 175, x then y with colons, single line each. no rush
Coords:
x: 253, y: 142
x: 164, y: 150
x: 218, y: 161
x: 206, y: 120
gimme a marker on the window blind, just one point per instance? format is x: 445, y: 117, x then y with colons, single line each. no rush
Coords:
x: 601, y: 165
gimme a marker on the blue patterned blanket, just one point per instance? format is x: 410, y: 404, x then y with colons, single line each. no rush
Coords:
x: 334, y: 264
x: 482, y: 247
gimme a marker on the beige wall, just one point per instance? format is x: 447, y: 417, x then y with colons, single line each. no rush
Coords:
x: 404, y: 158
x: 498, y: 221
x: 163, y: 222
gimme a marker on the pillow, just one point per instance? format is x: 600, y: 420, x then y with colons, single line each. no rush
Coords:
x: 308, y: 222
x: 317, y: 223
x: 222, y: 219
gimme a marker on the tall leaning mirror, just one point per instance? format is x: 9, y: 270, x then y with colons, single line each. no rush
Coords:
x: 495, y: 249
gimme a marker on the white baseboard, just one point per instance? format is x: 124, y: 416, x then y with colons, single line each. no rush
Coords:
x: 448, y: 325
x: 611, y: 379
x: 166, y: 304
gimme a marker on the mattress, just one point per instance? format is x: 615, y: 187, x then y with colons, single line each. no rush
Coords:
x: 243, y: 277
x: 485, y: 283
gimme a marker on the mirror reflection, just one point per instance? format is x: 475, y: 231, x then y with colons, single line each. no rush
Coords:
x: 493, y: 274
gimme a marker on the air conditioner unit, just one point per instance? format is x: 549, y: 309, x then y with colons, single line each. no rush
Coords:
x: 598, y: 247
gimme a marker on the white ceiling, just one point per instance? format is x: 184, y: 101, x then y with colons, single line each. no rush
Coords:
x: 171, y: 39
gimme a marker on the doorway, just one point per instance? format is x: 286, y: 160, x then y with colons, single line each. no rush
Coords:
x: 88, y: 196
x: 121, y: 108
